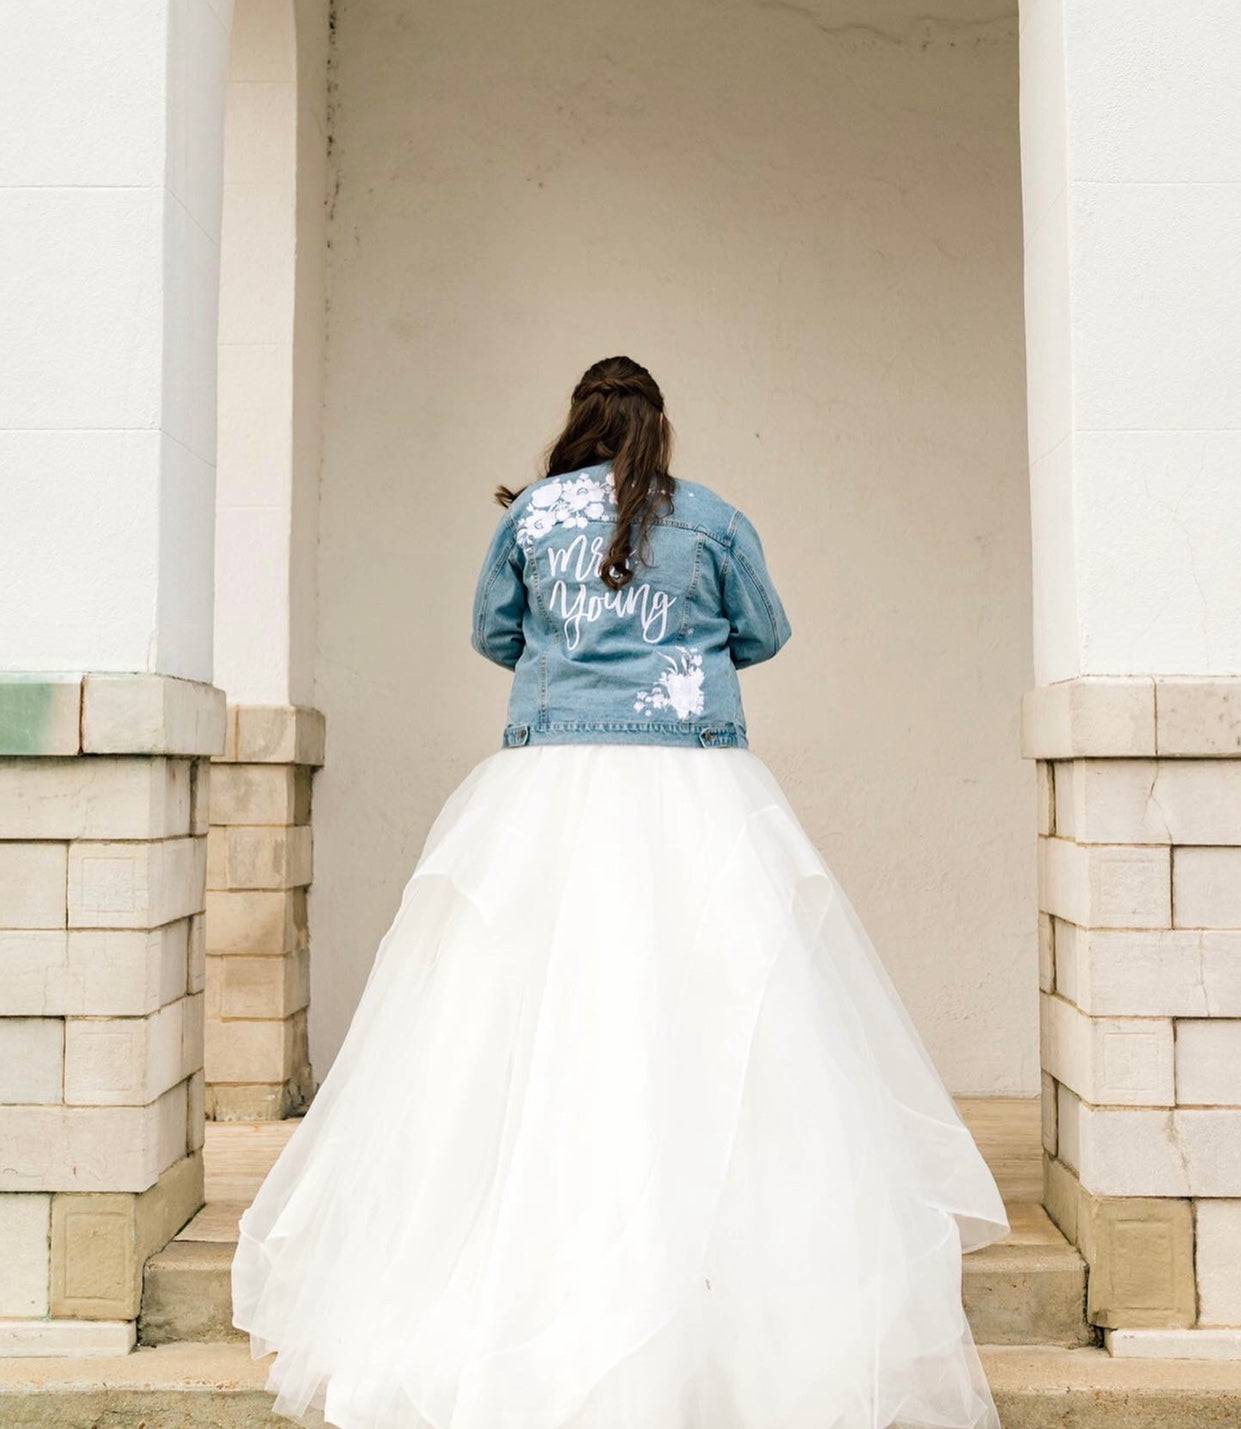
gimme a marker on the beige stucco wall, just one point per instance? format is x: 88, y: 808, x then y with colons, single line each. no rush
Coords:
x: 805, y: 218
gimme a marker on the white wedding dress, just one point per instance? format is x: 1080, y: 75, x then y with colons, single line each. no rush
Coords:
x: 630, y: 1130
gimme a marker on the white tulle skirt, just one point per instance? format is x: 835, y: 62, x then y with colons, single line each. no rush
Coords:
x: 630, y: 1130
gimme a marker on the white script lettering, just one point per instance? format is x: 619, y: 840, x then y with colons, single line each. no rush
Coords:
x: 643, y: 602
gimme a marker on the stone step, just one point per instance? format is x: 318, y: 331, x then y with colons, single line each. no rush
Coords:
x: 1038, y: 1387
x: 219, y: 1386
x: 187, y: 1294
x: 1026, y: 1295
x: 1028, y: 1289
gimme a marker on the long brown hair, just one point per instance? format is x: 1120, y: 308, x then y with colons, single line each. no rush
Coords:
x: 617, y: 414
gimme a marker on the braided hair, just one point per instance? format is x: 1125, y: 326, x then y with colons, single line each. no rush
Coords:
x: 616, y: 414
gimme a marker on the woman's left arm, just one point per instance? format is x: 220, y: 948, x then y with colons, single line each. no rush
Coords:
x: 500, y: 598
x: 760, y: 626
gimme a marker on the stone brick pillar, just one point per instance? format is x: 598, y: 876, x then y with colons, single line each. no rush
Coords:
x: 258, y: 949
x: 1140, y: 970
x: 103, y: 808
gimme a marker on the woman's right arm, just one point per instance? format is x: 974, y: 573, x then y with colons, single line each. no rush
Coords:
x: 500, y: 598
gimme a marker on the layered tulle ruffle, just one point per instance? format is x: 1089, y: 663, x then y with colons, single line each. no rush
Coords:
x: 630, y: 1128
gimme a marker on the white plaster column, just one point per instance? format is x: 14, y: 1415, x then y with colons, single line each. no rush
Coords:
x: 111, y: 119
x: 272, y: 314
x: 1131, y: 167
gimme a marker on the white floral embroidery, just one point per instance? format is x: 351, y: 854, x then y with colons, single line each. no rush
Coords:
x: 678, y: 688
x: 565, y: 501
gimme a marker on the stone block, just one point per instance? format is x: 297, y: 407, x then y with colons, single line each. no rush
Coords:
x: 100, y: 1242
x: 1208, y: 1061
x: 258, y: 857
x: 1062, y: 880
x: 1219, y: 1262
x: 135, y: 885
x: 196, y: 953
x: 1198, y: 800
x: 31, y: 1059
x: 40, y: 715
x: 1105, y: 885
x: 259, y: 987
x: 1206, y: 887
x: 200, y: 795
x: 1149, y: 801
x: 256, y: 921
x: 94, y: 1265
x: 256, y: 794
x: 96, y: 1148
x: 1064, y: 798
x: 91, y: 972
x: 193, y: 1026
x: 1177, y: 1344
x: 1102, y: 716
x: 151, y: 714
x: 67, y: 1340
x: 32, y: 885
x: 172, y: 1125
x: 1065, y: 939
x: 1068, y: 1119
x: 195, y: 1111
x: 175, y: 952
x: 245, y: 1050
x: 249, y: 1101
x: 301, y: 1077
x: 1108, y: 1061
x: 1141, y: 1257
x: 33, y: 967
x: 118, y: 798
x: 1045, y: 787
x: 1047, y: 1107
x: 1046, y: 953
x: 1061, y: 1196
x: 279, y: 734
x: 302, y: 787
x: 1130, y: 1151
x: 297, y: 972
x: 123, y: 1061
x: 1198, y: 716
x: 25, y: 1221
x: 1210, y: 1141
x: 1181, y: 972
x: 229, y: 753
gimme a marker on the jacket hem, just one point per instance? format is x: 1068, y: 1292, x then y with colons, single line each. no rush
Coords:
x: 723, y: 734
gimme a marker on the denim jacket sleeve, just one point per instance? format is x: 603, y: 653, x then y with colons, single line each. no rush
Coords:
x: 759, y: 625
x: 500, y: 598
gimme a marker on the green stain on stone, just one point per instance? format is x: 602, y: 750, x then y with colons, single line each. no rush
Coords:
x: 29, y: 710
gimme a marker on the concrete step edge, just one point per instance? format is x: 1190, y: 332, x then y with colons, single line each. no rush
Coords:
x: 1024, y: 1259
x: 229, y: 1366
x: 1048, y: 1369
x: 185, y: 1254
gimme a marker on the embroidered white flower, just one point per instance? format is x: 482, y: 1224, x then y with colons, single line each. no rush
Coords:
x: 678, y: 688
x: 565, y: 501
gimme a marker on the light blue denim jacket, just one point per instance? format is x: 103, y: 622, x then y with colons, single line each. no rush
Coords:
x: 654, y: 663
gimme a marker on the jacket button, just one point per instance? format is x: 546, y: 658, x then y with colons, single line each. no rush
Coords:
x: 707, y: 736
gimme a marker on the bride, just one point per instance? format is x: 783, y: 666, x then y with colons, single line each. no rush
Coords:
x: 630, y: 1129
